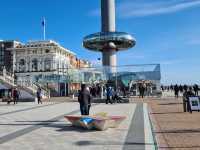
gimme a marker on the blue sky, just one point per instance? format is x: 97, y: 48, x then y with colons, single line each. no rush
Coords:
x: 167, y: 31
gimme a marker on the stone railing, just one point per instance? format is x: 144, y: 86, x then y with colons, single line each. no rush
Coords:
x: 7, y: 77
x: 33, y: 87
x: 29, y: 86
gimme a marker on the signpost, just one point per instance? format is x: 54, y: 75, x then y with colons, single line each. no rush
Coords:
x: 194, y: 103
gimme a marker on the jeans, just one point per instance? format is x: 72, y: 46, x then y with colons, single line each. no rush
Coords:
x: 84, y: 109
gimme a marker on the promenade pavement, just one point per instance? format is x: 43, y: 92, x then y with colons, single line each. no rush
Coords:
x: 29, y: 126
x: 173, y: 128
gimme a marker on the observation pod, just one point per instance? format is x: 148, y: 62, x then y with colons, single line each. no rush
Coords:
x: 109, y: 41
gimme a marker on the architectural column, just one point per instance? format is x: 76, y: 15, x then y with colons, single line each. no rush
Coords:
x: 108, y: 25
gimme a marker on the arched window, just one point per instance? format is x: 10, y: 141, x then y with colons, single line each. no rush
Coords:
x: 35, y: 64
x: 47, y: 64
x: 22, y: 66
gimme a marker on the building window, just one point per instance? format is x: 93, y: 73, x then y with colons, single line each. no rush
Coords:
x: 22, y: 62
x: 22, y: 66
x: 47, y: 64
x: 35, y: 64
x: 34, y: 51
x: 47, y: 51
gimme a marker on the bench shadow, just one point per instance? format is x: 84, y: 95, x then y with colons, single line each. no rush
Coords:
x: 69, y: 128
x: 61, y: 126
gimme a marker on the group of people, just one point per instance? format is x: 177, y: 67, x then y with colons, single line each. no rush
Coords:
x: 86, y: 94
x: 14, y: 96
x: 188, y: 92
x: 181, y: 89
x: 143, y: 88
x: 112, y: 95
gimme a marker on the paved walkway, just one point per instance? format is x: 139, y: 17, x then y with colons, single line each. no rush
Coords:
x: 174, y: 129
x: 43, y: 127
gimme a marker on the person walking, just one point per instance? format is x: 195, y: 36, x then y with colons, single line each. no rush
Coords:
x: 14, y: 95
x: 176, y: 91
x: 149, y: 89
x: 84, y: 99
x: 187, y: 95
x: 17, y: 96
x: 196, y: 89
x: 109, y: 95
x: 39, y: 95
x: 142, y: 88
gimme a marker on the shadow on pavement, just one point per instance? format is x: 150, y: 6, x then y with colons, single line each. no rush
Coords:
x: 180, y: 131
x: 86, y: 143
x: 64, y: 127
x: 163, y: 113
x: 181, y: 147
x: 170, y: 104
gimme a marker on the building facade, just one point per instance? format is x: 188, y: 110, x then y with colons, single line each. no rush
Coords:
x: 6, y: 58
x: 47, y: 63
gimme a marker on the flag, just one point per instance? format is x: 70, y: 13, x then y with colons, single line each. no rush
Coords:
x: 44, y: 28
x: 43, y: 22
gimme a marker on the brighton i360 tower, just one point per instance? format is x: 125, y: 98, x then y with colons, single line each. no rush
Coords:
x: 108, y: 41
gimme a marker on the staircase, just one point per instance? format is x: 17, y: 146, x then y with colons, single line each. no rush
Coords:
x: 7, y: 79
x: 30, y: 87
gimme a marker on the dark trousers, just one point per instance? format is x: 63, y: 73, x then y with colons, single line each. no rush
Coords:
x: 85, y: 109
x: 184, y: 105
x: 108, y: 99
x: 15, y: 100
x: 188, y: 106
x: 39, y: 100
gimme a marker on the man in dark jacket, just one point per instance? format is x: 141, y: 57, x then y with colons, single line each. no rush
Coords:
x: 186, y: 102
x: 84, y: 99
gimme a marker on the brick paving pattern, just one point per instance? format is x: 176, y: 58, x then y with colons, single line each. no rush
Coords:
x: 174, y: 128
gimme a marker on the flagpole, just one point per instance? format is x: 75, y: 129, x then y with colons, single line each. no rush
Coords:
x: 44, y: 29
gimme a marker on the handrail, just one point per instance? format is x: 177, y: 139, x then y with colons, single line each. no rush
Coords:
x: 33, y: 87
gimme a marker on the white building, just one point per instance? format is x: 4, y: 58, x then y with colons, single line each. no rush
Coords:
x: 46, y: 62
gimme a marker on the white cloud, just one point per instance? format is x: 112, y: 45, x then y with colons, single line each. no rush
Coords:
x: 194, y: 41
x: 171, y: 62
x: 131, y: 8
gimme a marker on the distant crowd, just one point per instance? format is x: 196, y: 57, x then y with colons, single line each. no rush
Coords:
x: 177, y: 89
